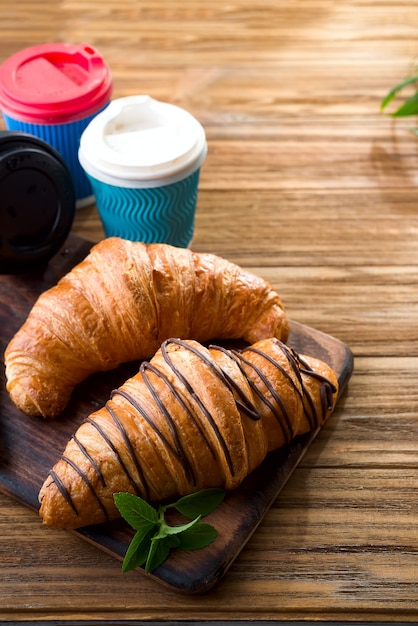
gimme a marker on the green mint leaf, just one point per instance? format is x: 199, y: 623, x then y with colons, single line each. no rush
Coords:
x: 172, y: 541
x: 154, y: 538
x: 393, y: 92
x: 409, y: 107
x: 166, y: 530
x: 159, y: 551
x: 200, y: 503
x: 197, y: 537
x: 136, y: 511
x: 137, y: 552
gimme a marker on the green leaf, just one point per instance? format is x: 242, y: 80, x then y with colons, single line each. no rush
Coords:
x: 166, y: 530
x: 136, y: 511
x: 154, y: 538
x: 409, y: 107
x: 393, y: 92
x: 159, y: 551
x: 138, y: 550
x: 172, y: 541
x: 200, y: 503
x: 197, y: 537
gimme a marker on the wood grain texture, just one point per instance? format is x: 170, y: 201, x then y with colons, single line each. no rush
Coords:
x: 307, y: 184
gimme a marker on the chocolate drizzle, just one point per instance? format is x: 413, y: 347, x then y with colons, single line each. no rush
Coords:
x: 182, y: 392
x: 91, y: 460
x: 85, y: 478
x: 177, y: 449
x: 193, y: 394
x: 63, y: 490
x: 111, y: 445
x: 281, y: 415
x: 327, y: 390
x: 130, y: 449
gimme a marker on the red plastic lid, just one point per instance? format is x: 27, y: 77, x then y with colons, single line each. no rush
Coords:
x: 54, y: 83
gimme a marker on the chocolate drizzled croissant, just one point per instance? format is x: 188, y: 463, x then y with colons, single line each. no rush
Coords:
x: 119, y: 304
x: 190, y: 419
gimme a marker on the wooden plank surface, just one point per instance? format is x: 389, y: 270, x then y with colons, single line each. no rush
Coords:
x: 307, y: 184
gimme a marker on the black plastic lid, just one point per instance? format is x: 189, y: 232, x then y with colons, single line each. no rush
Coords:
x: 37, y: 202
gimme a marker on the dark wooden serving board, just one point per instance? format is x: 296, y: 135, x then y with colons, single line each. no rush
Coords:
x: 29, y: 447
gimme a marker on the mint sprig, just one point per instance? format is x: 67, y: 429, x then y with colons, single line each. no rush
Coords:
x: 154, y: 538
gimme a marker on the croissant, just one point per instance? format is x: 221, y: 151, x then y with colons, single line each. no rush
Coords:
x: 119, y: 304
x: 191, y: 418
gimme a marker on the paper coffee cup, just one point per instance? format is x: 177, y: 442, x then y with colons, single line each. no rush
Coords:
x: 53, y: 91
x: 143, y: 158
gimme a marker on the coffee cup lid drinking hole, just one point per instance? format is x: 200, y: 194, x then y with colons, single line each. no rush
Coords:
x: 54, y: 83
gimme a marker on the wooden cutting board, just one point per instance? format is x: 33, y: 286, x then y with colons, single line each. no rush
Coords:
x: 29, y: 447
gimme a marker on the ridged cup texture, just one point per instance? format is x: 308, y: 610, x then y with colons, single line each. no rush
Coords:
x: 153, y: 215
x: 65, y: 138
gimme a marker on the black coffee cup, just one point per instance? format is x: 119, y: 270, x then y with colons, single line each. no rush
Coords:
x: 37, y: 202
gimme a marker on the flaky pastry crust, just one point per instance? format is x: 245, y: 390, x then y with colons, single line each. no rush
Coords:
x: 190, y: 419
x: 119, y: 304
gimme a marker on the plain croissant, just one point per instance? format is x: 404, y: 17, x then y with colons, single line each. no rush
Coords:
x: 191, y: 418
x: 119, y: 304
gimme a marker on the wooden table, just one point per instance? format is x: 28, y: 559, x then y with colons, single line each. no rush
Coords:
x: 308, y: 185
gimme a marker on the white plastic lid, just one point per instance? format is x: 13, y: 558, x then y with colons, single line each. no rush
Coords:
x: 140, y: 142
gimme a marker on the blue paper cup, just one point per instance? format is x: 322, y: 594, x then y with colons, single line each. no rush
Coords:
x: 65, y: 139
x: 52, y: 91
x: 157, y: 214
x: 143, y: 159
